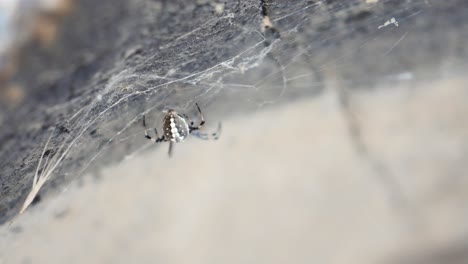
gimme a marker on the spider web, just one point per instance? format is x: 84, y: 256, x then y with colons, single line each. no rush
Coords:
x: 228, y: 65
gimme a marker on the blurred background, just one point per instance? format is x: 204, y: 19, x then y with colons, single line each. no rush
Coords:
x: 343, y: 141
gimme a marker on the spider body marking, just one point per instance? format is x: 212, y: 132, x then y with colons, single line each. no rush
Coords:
x: 177, y: 127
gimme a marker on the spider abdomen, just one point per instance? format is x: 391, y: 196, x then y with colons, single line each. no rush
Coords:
x: 175, y: 127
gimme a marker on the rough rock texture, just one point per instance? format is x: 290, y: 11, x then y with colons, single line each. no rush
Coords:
x: 344, y: 135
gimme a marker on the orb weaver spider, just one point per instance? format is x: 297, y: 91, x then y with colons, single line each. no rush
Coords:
x: 177, y: 127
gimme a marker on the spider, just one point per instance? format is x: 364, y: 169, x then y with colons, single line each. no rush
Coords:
x: 176, y: 127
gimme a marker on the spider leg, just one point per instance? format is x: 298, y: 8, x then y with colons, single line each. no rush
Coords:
x: 170, y: 148
x: 209, y: 136
x: 202, y: 120
x: 156, y: 139
x: 201, y: 116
